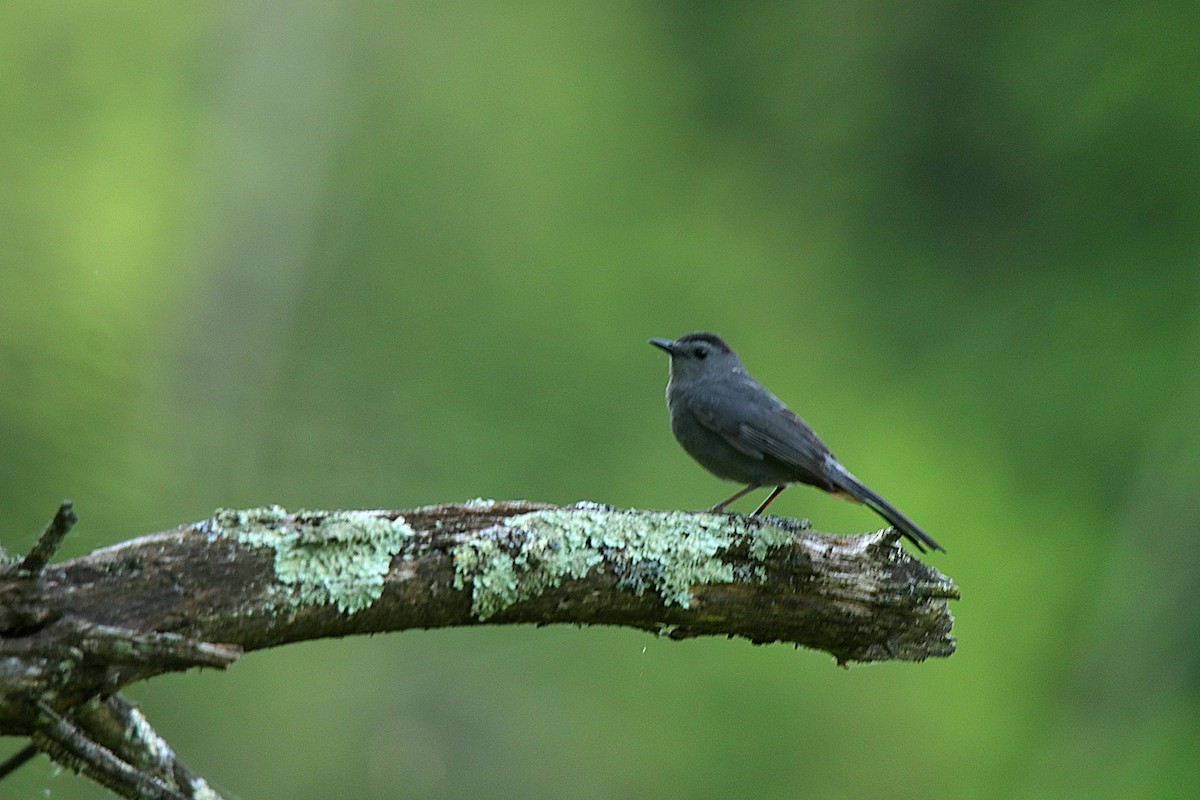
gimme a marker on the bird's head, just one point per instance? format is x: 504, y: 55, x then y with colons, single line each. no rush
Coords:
x: 696, y: 356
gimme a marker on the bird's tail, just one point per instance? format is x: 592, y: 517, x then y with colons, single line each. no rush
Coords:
x: 841, y: 478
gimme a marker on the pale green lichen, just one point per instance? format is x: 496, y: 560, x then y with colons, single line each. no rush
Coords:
x: 480, y: 503
x: 202, y: 791
x: 338, y: 557
x: 499, y: 579
x: 146, y: 739
x: 667, y: 552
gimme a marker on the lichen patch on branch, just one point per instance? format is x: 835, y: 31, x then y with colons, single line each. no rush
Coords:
x: 665, y: 552
x: 324, y: 557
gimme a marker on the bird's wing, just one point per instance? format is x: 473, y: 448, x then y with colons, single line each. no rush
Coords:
x: 759, y: 432
x: 781, y: 434
x: 730, y: 430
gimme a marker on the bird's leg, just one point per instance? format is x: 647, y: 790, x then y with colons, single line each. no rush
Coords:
x: 719, y: 508
x: 771, y: 497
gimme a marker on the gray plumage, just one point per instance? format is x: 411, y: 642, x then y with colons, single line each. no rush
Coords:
x: 739, y: 431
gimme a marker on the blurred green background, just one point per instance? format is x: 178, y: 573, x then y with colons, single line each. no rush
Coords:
x: 353, y: 255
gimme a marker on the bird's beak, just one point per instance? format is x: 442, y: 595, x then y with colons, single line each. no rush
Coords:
x: 664, y: 344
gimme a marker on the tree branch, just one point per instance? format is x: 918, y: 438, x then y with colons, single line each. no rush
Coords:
x: 73, y: 634
x: 50, y: 540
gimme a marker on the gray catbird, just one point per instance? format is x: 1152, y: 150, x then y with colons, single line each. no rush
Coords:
x: 739, y: 431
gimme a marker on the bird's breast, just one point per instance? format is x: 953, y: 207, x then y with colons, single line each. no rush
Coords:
x: 713, y: 452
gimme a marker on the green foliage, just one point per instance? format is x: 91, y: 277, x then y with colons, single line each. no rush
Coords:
x: 382, y: 255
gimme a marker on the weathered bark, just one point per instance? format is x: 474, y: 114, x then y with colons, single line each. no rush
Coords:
x: 72, y: 634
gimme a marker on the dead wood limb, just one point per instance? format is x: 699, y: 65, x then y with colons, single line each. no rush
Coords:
x: 73, y: 634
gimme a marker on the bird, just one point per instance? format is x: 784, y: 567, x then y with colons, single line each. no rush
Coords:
x: 739, y: 431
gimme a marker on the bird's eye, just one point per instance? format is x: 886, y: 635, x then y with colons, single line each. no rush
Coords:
x: 700, y: 353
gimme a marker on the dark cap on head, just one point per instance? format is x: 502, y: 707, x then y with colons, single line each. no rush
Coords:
x: 711, y: 339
